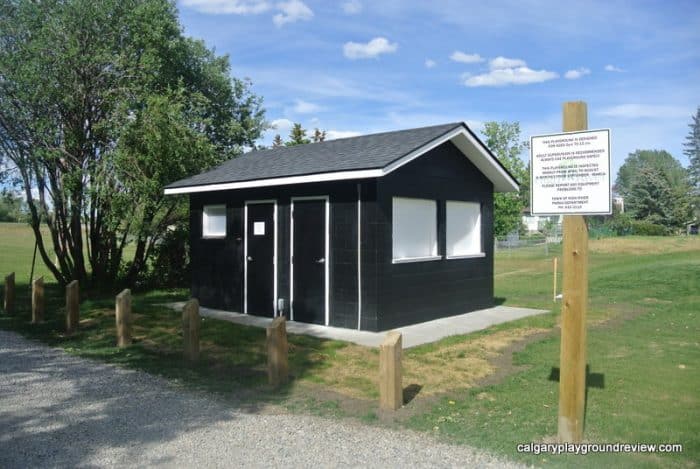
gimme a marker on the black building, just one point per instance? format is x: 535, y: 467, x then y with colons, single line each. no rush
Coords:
x: 369, y: 232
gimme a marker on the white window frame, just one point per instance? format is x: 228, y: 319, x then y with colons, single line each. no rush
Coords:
x: 400, y: 260
x: 205, y: 216
x: 480, y: 252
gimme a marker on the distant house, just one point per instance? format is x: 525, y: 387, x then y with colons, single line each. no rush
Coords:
x: 370, y: 232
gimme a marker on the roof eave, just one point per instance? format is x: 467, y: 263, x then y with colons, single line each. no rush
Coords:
x: 461, y: 136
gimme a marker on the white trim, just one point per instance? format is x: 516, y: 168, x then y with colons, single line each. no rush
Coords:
x: 334, y: 176
x: 245, y: 253
x: 466, y: 256
x: 406, y: 260
x: 463, y: 139
x: 326, y: 257
x: 359, y: 255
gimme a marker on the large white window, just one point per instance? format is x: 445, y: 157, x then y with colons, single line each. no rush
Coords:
x: 463, y: 226
x: 214, y: 221
x: 414, y: 229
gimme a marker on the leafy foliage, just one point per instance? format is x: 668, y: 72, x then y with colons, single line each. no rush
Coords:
x: 503, y: 139
x: 12, y: 207
x: 101, y: 104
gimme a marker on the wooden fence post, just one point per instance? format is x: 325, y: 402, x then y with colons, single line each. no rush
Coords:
x: 38, y: 300
x: 9, y: 305
x: 390, y: 387
x: 554, y: 287
x: 190, y: 330
x: 123, y: 317
x: 72, y: 306
x: 277, y: 350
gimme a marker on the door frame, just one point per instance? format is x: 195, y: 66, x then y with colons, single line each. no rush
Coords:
x: 325, y: 198
x: 245, y: 253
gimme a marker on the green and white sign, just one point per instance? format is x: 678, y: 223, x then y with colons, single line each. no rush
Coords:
x: 570, y: 173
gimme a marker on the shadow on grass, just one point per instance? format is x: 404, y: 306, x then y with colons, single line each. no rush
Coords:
x: 410, y: 392
x: 593, y: 380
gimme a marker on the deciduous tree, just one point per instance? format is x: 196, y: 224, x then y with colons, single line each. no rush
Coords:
x: 101, y: 104
x: 503, y: 139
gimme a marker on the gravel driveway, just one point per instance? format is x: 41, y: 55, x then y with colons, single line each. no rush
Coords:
x: 58, y: 410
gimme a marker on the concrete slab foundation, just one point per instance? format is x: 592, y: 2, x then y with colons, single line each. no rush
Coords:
x: 416, y: 334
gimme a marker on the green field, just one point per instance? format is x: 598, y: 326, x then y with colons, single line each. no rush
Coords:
x: 494, y: 389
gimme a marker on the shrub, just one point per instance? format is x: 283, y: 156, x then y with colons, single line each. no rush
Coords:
x: 647, y: 228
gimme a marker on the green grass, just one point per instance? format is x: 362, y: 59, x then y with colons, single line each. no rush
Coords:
x: 648, y: 363
x: 642, y: 347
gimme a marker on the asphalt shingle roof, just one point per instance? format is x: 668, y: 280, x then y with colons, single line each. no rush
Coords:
x: 347, y: 154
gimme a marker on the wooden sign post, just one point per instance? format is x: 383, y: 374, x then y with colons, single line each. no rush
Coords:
x: 572, y: 378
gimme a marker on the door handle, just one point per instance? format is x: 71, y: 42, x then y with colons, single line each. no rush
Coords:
x: 250, y: 258
x: 321, y: 260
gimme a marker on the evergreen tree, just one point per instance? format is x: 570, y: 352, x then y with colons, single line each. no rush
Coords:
x: 655, y: 188
x: 692, y: 151
x: 297, y: 136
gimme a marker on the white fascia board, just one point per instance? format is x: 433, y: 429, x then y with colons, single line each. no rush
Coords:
x: 487, y: 164
x: 335, y: 176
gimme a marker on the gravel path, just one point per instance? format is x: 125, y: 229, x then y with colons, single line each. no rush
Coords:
x: 57, y: 410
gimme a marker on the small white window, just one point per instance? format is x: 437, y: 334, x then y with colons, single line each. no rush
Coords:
x: 214, y: 221
x: 463, y: 226
x: 414, y: 229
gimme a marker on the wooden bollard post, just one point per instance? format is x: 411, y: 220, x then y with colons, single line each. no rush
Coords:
x: 190, y: 330
x: 9, y: 304
x: 390, y: 387
x: 277, y: 361
x: 38, y: 300
x: 123, y: 317
x: 72, y: 306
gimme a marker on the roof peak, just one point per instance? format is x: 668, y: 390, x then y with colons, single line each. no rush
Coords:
x: 449, y: 125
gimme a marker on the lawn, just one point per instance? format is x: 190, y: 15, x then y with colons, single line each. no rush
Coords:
x: 493, y: 389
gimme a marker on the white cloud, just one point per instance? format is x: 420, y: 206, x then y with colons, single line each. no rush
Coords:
x: 305, y: 107
x: 372, y: 49
x: 336, y: 134
x: 352, y: 7
x: 459, y: 56
x: 503, y: 62
x: 612, y: 68
x: 235, y: 7
x: 291, y: 12
x: 281, y: 125
x: 640, y: 111
x: 429, y: 63
x: 508, y: 76
x: 577, y: 73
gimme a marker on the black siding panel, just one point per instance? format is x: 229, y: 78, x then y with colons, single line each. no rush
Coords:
x: 421, y: 291
x: 217, y: 264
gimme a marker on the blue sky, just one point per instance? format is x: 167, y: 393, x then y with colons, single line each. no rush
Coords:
x: 358, y: 66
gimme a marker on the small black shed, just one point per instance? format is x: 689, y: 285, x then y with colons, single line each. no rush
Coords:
x: 370, y: 232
